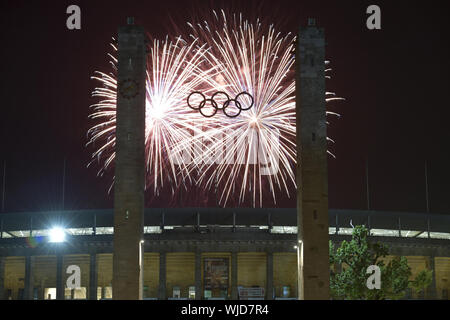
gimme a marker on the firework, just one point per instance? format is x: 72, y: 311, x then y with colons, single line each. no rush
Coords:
x: 257, y: 149
x: 255, y: 152
x: 173, y: 72
x: 240, y: 158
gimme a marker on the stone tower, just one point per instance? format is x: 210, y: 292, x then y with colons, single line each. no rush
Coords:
x: 129, y: 163
x: 312, y: 173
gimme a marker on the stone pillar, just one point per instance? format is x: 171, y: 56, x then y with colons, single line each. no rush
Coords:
x: 312, y: 172
x: 234, y: 273
x: 129, y: 163
x: 162, y: 276
x: 59, y: 278
x: 432, y: 291
x: 2, y: 278
x: 269, y: 269
x: 198, y: 275
x: 93, y: 278
x: 29, y: 278
x: 41, y: 290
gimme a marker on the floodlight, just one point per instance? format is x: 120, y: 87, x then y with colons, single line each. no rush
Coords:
x: 57, y: 234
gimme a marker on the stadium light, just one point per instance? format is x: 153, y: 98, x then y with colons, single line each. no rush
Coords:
x: 57, y: 234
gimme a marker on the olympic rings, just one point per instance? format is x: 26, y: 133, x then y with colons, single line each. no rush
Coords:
x: 224, y: 106
x: 203, y: 103
x: 227, y: 103
x: 248, y: 94
x: 189, y: 97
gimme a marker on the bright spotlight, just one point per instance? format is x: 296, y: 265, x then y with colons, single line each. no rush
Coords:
x: 57, y: 235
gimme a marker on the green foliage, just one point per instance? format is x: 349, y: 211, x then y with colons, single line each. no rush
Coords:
x: 422, y: 280
x: 356, y: 256
x: 394, y: 279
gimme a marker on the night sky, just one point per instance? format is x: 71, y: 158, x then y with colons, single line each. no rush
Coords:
x: 395, y: 81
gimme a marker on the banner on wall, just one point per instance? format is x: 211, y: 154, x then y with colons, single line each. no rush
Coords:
x: 215, y: 275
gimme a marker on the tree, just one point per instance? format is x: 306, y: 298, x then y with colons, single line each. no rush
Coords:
x: 422, y: 280
x: 355, y: 256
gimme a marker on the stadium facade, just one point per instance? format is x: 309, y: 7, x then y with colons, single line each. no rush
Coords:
x: 201, y: 253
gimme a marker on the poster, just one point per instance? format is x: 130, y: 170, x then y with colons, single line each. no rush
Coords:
x: 215, y: 276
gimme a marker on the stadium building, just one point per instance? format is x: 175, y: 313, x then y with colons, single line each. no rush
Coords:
x: 200, y: 253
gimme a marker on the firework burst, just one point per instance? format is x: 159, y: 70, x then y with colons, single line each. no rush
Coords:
x: 257, y: 149
x: 240, y: 158
x: 173, y: 72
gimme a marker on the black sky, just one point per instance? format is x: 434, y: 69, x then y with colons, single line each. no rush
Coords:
x: 394, y: 80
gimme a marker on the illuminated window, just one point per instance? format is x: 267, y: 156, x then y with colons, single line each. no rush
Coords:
x: 192, y: 292
x: 152, y: 230
x: 283, y: 229
x: 20, y: 234
x: 105, y: 230
x: 50, y: 293
x: 79, y: 293
x: 108, y: 293
x: 440, y: 235
x: 345, y: 231
x: 80, y: 231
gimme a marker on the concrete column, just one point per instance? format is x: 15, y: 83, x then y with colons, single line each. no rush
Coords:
x: 41, y: 290
x: 432, y: 291
x: 312, y: 172
x: 269, y: 269
x: 162, y: 276
x: 129, y: 178
x: 59, y: 277
x: 93, y: 278
x: 234, y: 273
x: 198, y: 275
x: 29, y: 278
x: 2, y: 278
